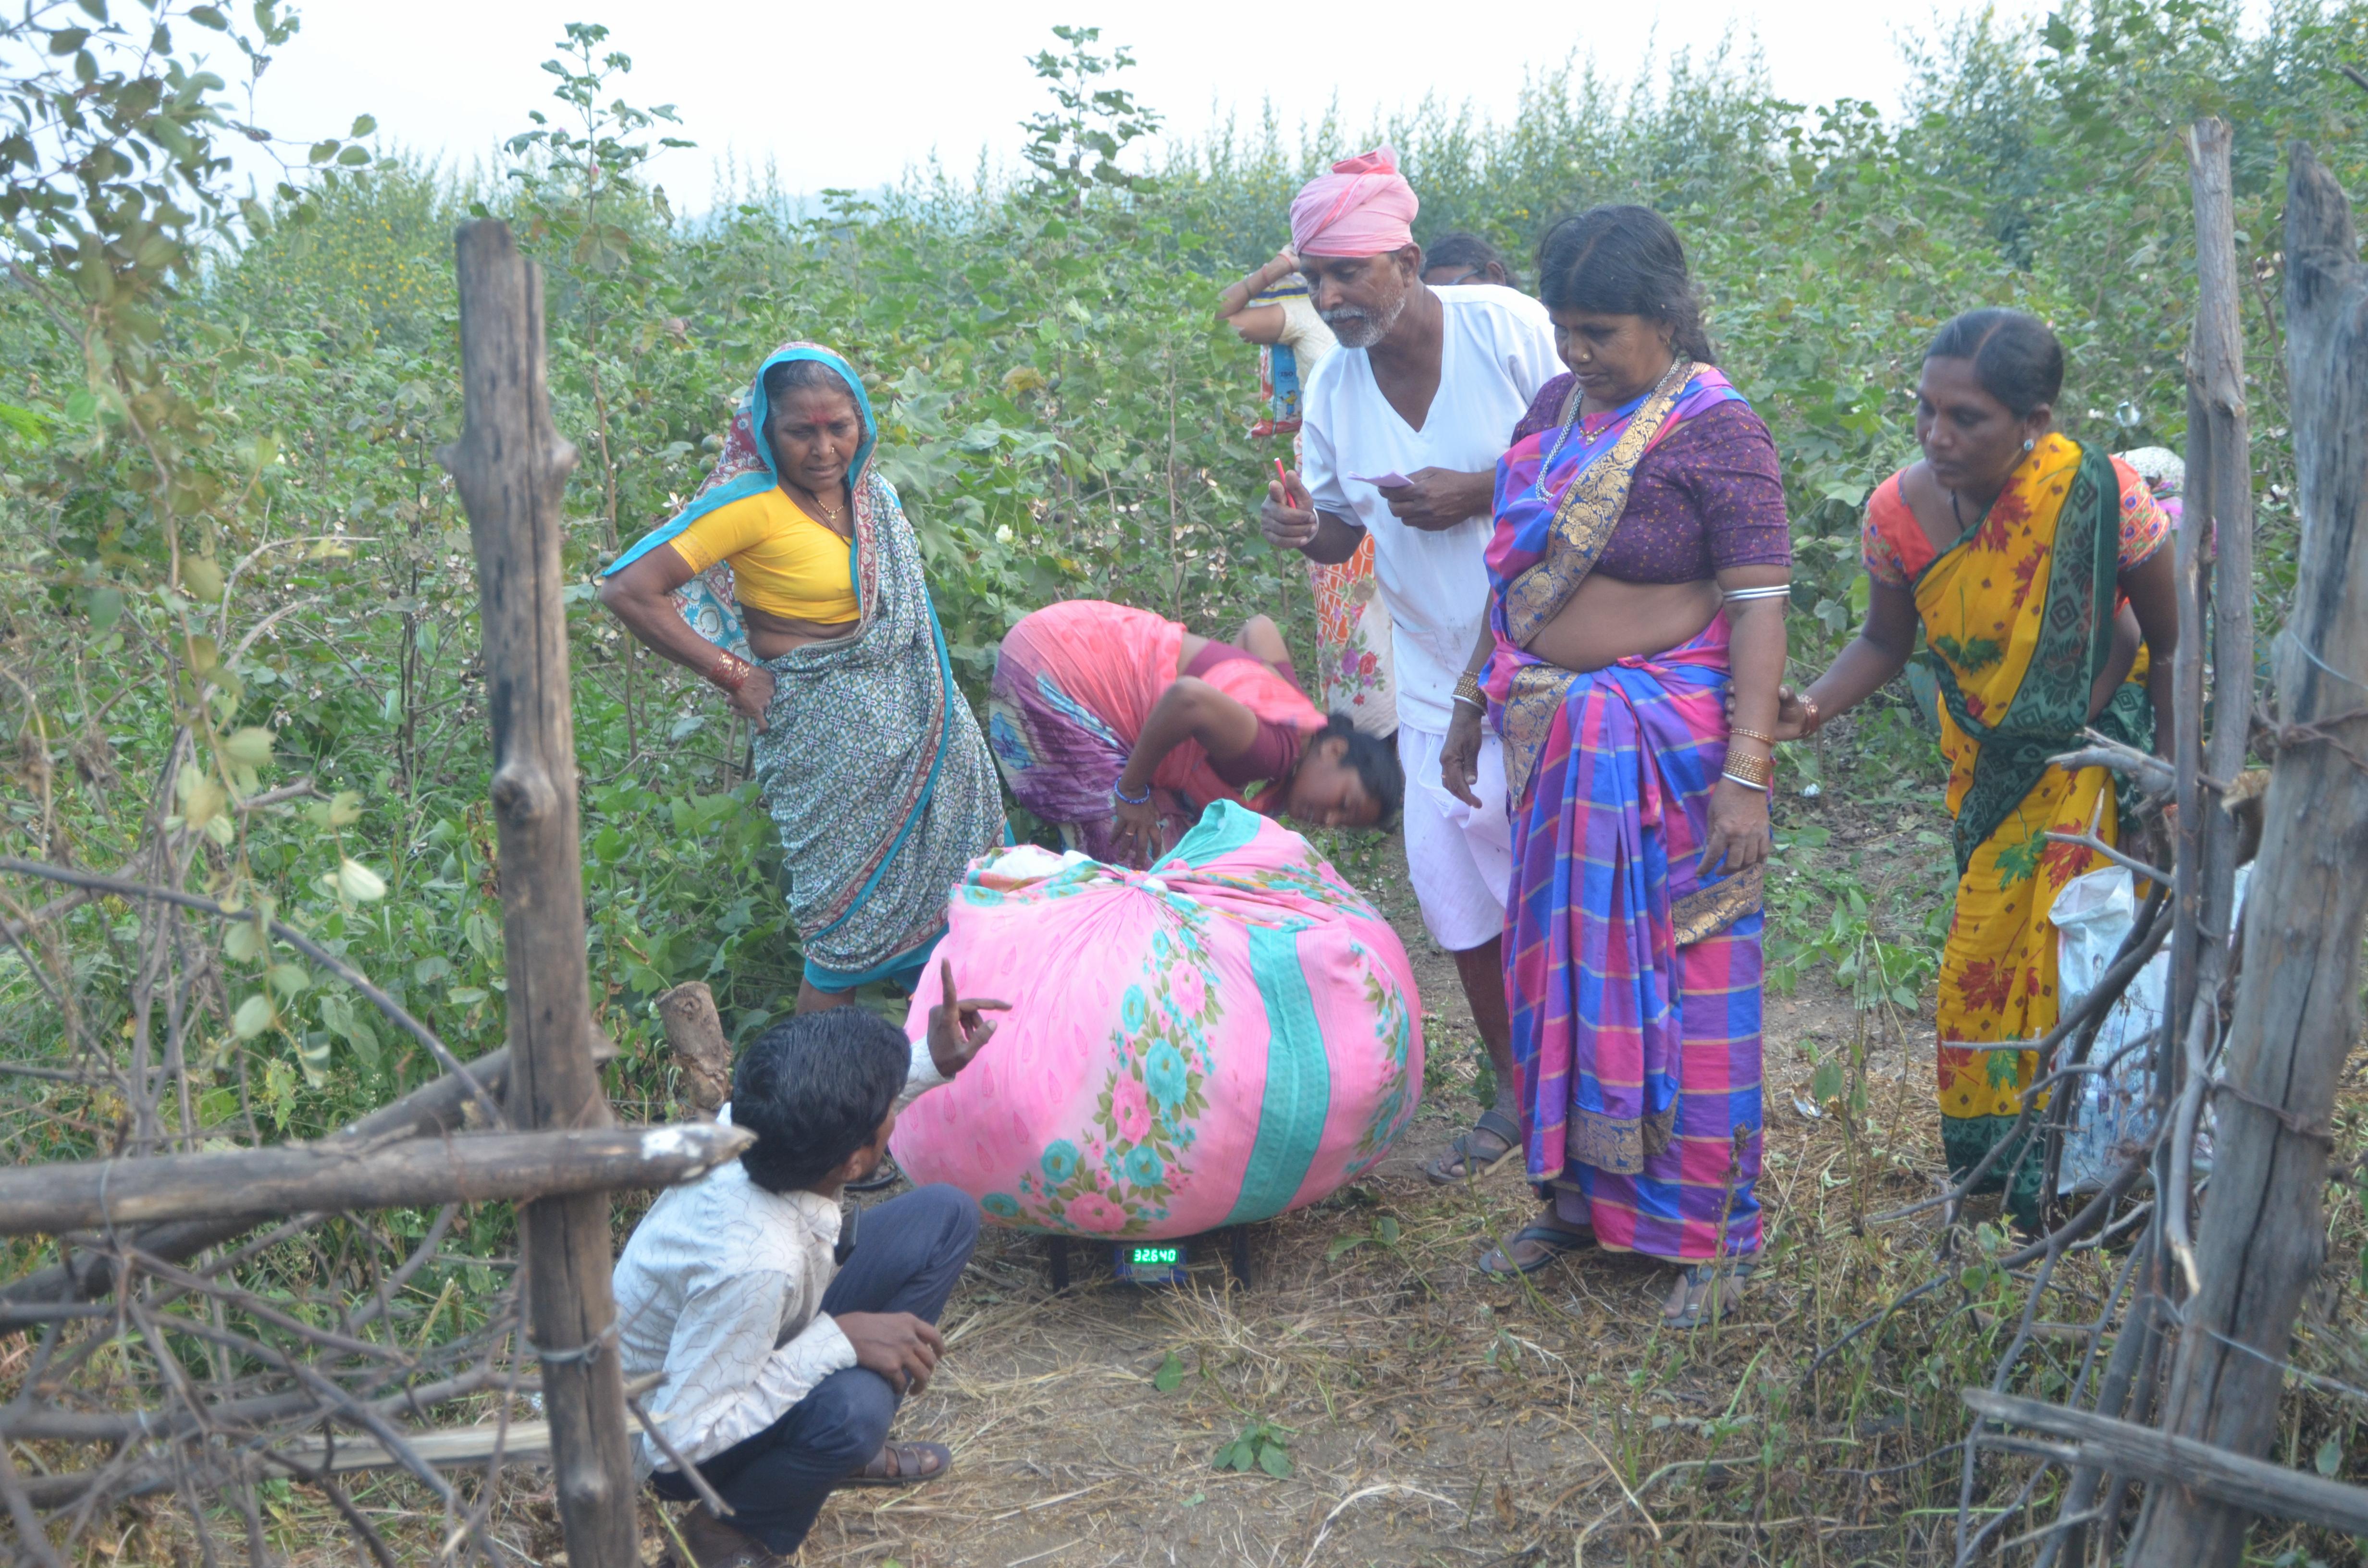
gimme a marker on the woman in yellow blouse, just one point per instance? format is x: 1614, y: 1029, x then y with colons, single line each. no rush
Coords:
x: 796, y: 551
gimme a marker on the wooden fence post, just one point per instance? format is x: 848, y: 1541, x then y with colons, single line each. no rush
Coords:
x: 2264, y: 1231
x: 511, y: 468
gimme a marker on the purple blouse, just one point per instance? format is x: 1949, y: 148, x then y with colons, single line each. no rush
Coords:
x: 1707, y: 498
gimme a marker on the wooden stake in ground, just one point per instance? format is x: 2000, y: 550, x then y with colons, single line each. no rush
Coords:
x: 696, y: 1035
x: 2264, y: 1235
x: 511, y: 468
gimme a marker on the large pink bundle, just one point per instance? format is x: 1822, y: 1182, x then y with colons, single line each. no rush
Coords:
x: 1231, y: 1035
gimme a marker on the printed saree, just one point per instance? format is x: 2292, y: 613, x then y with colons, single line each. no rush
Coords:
x: 873, y: 766
x: 1634, y: 984
x: 2017, y: 624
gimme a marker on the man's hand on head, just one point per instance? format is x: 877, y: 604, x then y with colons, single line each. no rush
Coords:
x: 958, y: 1025
x: 899, y: 1347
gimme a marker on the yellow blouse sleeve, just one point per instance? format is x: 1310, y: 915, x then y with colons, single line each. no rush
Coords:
x: 722, y: 534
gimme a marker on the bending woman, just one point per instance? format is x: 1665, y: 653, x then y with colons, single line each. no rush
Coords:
x: 874, y: 770
x: 2014, y: 548
x: 1638, y: 575
x: 1120, y: 727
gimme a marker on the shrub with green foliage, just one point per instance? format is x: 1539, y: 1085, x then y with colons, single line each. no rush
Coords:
x: 235, y: 561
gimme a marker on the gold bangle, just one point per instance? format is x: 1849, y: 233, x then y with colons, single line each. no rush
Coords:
x: 1468, y: 690
x: 1750, y: 734
x: 1812, y: 719
x: 1743, y: 768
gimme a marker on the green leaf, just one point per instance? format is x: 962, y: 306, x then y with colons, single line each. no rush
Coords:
x: 248, y: 747
x: 363, y: 126
x: 2330, y: 1456
x: 1343, y: 1244
x: 201, y: 800
x: 352, y: 156
x: 65, y: 41
x: 1275, y: 1461
x: 202, y: 579
x: 1825, y: 1083
x: 206, y: 16
x: 243, y: 942
x: 254, y: 1017
x: 1170, y: 1374
x: 1387, y: 1230
x: 105, y: 607
x: 288, y: 978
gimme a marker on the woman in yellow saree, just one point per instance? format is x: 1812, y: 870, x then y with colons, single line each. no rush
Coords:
x: 2020, y: 552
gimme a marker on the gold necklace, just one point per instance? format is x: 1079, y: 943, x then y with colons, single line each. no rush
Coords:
x: 830, y: 514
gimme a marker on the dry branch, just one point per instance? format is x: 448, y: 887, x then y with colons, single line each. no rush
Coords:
x: 2175, y: 1463
x: 293, y: 1178
x: 436, y: 1108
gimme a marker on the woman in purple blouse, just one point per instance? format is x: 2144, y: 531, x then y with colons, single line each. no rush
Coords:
x: 1639, y: 574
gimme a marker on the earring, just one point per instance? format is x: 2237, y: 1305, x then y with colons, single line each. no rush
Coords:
x: 2030, y: 445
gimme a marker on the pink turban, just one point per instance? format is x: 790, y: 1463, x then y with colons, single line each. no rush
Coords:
x: 1363, y: 207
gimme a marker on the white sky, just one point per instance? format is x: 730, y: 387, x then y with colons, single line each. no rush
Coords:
x: 853, y: 94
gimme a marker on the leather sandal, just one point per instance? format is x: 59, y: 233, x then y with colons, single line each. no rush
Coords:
x: 1498, y: 1262
x: 903, y: 1464
x: 1496, y: 1125
x: 1704, y: 1291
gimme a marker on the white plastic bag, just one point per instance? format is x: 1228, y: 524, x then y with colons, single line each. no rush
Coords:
x: 2093, y: 916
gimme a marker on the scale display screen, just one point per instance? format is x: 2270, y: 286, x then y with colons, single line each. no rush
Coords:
x: 1151, y: 1263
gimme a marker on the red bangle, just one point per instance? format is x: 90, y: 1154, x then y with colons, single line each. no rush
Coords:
x: 730, y: 671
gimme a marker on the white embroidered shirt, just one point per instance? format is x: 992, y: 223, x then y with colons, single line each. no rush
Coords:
x: 720, y: 1287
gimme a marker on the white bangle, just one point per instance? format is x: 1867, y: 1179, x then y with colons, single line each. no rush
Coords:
x: 1734, y: 595
x: 1747, y: 783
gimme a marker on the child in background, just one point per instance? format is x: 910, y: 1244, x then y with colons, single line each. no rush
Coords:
x: 1271, y: 309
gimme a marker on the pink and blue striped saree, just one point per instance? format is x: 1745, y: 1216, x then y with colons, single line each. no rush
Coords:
x: 1633, y: 982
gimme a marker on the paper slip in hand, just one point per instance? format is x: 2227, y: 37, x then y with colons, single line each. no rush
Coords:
x: 1390, y: 481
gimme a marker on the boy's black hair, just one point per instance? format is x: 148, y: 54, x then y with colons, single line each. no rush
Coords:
x: 814, y: 1089
x: 1375, y: 761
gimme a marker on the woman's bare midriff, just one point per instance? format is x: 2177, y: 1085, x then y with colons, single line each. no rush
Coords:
x: 770, y: 636
x: 1607, y: 620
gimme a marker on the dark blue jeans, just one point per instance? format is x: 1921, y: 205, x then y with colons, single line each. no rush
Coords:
x: 909, y: 1253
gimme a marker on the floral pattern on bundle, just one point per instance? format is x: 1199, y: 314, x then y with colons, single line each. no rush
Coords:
x: 1118, y: 1182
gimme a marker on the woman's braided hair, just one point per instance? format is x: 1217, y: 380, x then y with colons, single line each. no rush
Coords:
x: 1624, y: 261
x: 2018, y: 360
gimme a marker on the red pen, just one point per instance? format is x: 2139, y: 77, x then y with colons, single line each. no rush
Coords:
x: 1282, y: 479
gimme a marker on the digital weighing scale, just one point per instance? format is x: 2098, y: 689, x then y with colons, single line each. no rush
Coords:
x: 1159, y: 1263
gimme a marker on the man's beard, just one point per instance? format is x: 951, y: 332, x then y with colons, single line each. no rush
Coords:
x: 1357, y: 327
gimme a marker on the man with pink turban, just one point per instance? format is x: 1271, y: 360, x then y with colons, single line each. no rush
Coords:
x: 1401, y: 430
